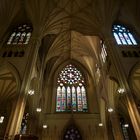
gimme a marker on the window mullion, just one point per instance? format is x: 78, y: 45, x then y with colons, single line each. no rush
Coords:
x: 76, y: 100
x: 70, y: 78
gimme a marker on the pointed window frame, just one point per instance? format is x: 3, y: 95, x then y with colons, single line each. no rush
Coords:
x: 20, y: 35
x: 71, y: 90
x: 123, y: 36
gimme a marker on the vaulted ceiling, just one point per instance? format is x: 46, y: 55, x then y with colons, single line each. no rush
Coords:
x: 90, y: 17
x: 69, y: 21
x: 69, y: 29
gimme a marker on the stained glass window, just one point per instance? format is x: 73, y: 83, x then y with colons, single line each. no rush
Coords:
x: 123, y: 36
x: 72, y: 133
x: 124, y: 127
x: 24, y: 123
x: 20, y: 35
x: 71, y: 92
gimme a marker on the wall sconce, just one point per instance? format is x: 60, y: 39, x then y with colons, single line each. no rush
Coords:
x: 100, y: 124
x: 45, y: 126
x: 38, y: 109
x: 121, y: 90
x: 31, y: 92
x: 126, y: 125
x: 1, y: 119
x: 110, y: 109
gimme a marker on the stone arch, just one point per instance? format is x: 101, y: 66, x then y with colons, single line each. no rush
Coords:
x: 134, y: 80
x: 92, y: 101
x: 9, y: 91
x: 9, y: 81
x: 51, y: 84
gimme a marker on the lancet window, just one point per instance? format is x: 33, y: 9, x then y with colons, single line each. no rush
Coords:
x: 123, y: 36
x: 20, y: 35
x: 71, y: 91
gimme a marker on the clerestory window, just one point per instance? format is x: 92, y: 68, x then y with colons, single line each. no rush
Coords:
x: 20, y: 35
x: 71, y: 91
x: 123, y: 36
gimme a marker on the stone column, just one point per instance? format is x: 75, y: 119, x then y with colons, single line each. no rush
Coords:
x: 133, y: 113
x: 116, y: 128
x: 19, y: 105
x: 122, y: 78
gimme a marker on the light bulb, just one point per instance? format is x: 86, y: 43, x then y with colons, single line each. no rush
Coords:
x: 100, y: 124
x: 110, y: 109
x: 38, y: 109
x: 1, y: 119
x: 31, y: 92
x: 45, y: 126
x: 126, y: 125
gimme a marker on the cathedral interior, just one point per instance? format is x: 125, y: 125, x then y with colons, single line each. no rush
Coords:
x: 70, y: 70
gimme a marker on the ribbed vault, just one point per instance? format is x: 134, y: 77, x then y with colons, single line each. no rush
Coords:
x: 87, y: 17
x: 73, y: 46
x: 8, y: 86
x: 90, y: 17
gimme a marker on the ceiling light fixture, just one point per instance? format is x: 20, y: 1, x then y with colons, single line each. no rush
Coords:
x: 31, y: 92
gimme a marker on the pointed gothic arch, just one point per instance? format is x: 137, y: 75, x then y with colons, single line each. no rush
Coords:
x: 71, y: 90
x: 10, y: 81
x: 20, y: 35
x: 123, y: 35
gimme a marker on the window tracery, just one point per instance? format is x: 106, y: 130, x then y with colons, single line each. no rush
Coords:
x: 71, y: 92
x: 123, y: 36
x: 20, y: 35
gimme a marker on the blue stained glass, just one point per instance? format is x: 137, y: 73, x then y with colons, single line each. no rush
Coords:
x: 123, y: 36
x: 132, y: 39
x: 117, y: 38
x: 127, y: 39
